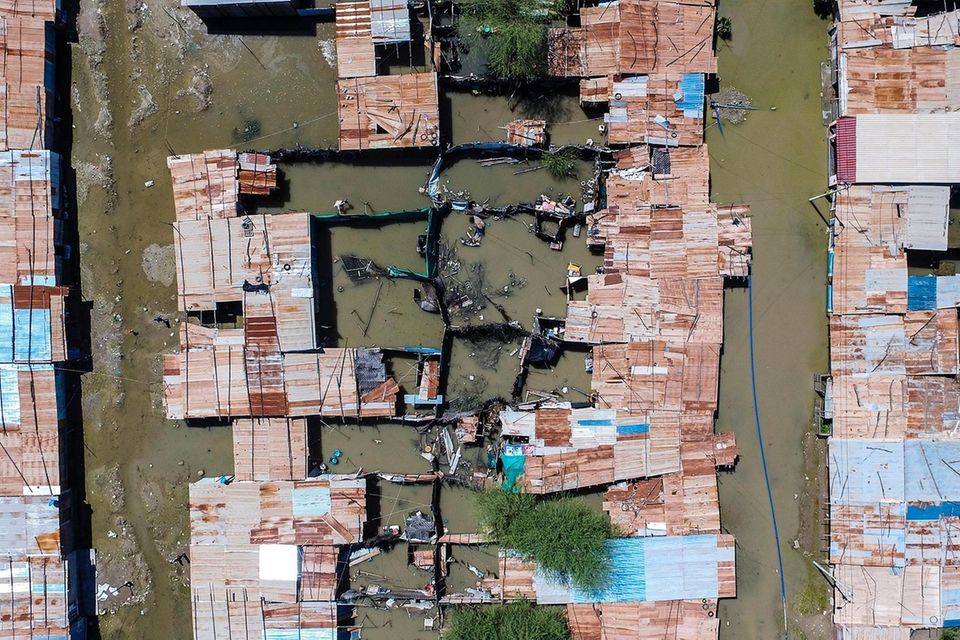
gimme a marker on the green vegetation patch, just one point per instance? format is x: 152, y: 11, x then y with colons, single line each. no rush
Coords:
x: 562, y: 535
x: 514, y: 35
x: 515, y: 621
x: 561, y: 163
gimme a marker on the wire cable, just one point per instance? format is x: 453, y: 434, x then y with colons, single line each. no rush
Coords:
x: 763, y: 455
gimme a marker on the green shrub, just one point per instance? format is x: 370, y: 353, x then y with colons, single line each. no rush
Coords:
x: 515, y: 621
x: 724, y: 28
x: 515, y: 34
x: 562, y: 163
x: 563, y: 535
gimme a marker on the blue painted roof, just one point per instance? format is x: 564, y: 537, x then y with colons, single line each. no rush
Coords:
x: 9, y: 395
x: 866, y: 471
x: 31, y: 335
x: 310, y: 502
x: 647, y: 570
x: 692, y: 86
x: 932, y: 470
x: 24, y: 333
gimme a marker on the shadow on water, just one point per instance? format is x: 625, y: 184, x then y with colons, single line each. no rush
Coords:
x: 326, y: 300
x: 266, y: 25
x: 75, y: 511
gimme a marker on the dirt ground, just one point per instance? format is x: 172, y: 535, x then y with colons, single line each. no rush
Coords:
x: 139, y: 92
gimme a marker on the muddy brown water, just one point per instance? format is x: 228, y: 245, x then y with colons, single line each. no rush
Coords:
x: 271, y: 92
x: 775, y: 161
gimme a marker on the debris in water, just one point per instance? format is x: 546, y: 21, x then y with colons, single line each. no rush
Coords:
x: 732, y: 104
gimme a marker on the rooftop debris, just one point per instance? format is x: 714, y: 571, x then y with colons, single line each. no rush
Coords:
x: 388, y: 112
x: 893, y: 331
x: 527, y: 133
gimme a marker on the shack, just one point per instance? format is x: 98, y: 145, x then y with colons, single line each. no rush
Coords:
x: 362, y: 26
x: 217, y: 374
x: 389, y: 112
x: 264, y: 556
x: 561, y: 448
x: 636, y: 37
x: 902, y: 148
x: 664, y: 109
x: 30, y: 436
x: 270, y: 449
x: 27, y: 80
x: 256, y: 271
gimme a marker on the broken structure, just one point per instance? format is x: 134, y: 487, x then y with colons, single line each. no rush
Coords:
x: 653, y: 321
x: 256, y: 270
x: 379, y: 111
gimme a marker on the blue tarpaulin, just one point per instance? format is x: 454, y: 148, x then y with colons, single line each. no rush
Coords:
x: 921, y: 293
x: 933, y: 511
x: 632, y: 429
x: 512, y: 469
x: 595, y: 423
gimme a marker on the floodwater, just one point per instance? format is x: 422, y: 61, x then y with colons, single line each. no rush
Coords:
x: 137, y: 76
x: 775, y: 161
x: 271, y: 92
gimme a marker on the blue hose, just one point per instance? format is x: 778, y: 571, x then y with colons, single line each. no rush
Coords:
x: 763, y: 454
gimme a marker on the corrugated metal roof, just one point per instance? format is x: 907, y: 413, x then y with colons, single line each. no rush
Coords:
x: 928, y: 212
x: 389, y: 21
x: 652, y: 569
x: 866, y: 471
x: 905, y: 148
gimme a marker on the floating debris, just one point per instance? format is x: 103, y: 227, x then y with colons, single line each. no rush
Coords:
x: 732, y: 105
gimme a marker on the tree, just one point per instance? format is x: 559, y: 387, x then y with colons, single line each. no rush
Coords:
x: 724, y: 28
x: 563, y: 536
x: 823, y: 8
